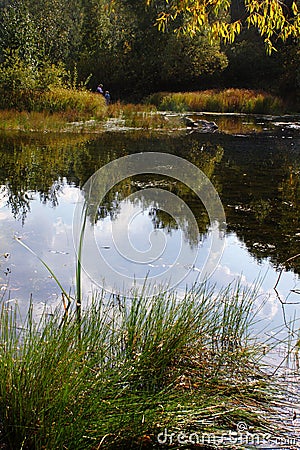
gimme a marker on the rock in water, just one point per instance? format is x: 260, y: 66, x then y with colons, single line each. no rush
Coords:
x: 209, y: 125
x: 204, y: 124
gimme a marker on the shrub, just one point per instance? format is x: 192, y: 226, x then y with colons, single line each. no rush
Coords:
x: 17, y: 74
x: 44, y: 87
x: 174, y: 102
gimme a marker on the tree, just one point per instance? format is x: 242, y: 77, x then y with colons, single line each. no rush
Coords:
x: 38, y: 40
x: 108, y: 36
x: 289, y: 81
x: 18, y: 33
x: 187, y: 59
x: 59, y: 27
x: 274, y: 19
x: 131, y: 56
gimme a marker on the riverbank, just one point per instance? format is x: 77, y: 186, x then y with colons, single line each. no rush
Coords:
x: 83, y: 111
x: 129, y: 116
x: 131, y: 372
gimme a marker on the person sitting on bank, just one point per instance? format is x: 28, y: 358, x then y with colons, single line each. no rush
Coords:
x: 107, y: 97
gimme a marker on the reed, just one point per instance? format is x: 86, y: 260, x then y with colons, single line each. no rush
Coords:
x: 72, y: 110
x: 228, y: 100
x: 142, y: 364
x: 78, y: 119
x: 143, y: 116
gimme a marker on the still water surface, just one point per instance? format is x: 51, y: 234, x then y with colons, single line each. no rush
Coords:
x: 255, y: 169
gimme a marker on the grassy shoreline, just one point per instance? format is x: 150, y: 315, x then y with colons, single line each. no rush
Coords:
x: 133, y: 371
x: 82, y: 111
x: 223, y: 101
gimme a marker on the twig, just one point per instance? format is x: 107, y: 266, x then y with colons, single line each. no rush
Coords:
x: 284, y: 262
x: 102, y: 440
x: 66, y: 308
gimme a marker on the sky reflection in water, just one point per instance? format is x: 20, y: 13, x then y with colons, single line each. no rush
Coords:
x: 48, y: 232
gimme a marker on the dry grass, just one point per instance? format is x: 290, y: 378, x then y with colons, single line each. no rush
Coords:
x: 56, y: 109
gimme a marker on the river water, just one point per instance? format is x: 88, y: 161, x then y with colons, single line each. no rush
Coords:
x: 252, y: 162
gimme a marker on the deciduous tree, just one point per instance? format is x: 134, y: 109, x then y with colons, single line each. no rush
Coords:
x: 275, y: 20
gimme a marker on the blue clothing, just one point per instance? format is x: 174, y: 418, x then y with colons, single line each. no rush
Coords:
x: 107, y: 97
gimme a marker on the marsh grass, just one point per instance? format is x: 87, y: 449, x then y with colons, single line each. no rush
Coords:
x: 142, y: 364
x: 48, y: 110
x: 228, y: 100
x: 82, y: 111
x: 137, y: 115
x: 11, y: 120
x: 85, y: 118
x: 54, y: 100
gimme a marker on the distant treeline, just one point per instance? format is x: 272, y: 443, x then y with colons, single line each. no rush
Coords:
x: 57, y: 44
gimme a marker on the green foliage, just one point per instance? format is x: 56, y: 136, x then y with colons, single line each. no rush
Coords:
x: 248, y: 65
x: 122, y: 44
x: 43, y: 86
x: 173, y: 102
x: 186, y: 58
x: 18, y: 33
x: 37, y: 29
x: 16, y: 74
x: 48, y: 44
x: 35, y: 45
x: 60, y: 28
x: 289, y: 79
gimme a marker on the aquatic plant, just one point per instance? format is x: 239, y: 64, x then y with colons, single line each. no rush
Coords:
x: 142, y: 365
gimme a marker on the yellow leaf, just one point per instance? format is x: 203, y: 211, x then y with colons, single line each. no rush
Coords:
x: 294, y: 8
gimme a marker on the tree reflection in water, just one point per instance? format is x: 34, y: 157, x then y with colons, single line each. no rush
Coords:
x: 257, y: 178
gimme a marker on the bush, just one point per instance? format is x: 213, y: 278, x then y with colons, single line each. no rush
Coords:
x: 17, y: 74
x: 44, y: 87
x: 173, y: 102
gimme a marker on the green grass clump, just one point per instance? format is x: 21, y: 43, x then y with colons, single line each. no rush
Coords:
x: 228, y: 100
x: 135, y: 367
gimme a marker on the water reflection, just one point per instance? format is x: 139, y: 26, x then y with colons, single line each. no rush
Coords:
x: 257, y: 178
